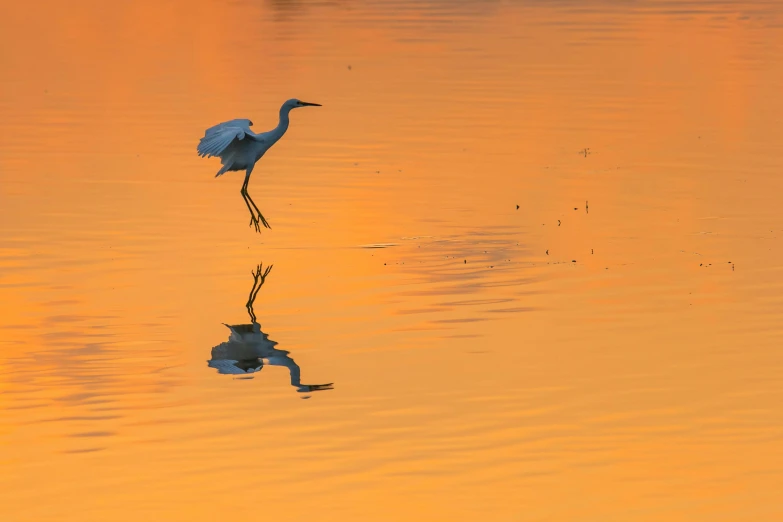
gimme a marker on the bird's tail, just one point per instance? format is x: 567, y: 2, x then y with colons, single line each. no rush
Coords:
x: 222, y: 170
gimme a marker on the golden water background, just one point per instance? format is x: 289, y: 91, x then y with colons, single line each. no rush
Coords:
x: 610, y: 350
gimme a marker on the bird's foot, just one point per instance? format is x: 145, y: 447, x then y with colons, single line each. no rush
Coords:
x: 254, y: 223
x: 264, y: 221
x: 256, y: 220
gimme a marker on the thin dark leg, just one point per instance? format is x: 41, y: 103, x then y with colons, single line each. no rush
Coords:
x: 253, y: 219
x: 260, y: 216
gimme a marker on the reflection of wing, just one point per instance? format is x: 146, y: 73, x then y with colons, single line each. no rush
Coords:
x: 226, y: 366
x: 243, y: 328
x: 249, y: 349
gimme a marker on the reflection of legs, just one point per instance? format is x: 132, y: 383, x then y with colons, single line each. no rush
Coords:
x: 249, y: 201
x: 258, y: 281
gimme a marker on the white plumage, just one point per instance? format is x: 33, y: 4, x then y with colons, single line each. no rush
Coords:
x: 239, y: 148
x: 217, y: 138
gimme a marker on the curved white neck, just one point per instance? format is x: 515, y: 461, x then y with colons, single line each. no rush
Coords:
x: 282, y: 125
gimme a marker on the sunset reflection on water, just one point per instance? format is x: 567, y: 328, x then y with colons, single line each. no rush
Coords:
x: 536, y: 248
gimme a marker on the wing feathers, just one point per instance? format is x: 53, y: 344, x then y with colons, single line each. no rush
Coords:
x: 242, y: 123
x: 216, y: 142
x: 217, y: 138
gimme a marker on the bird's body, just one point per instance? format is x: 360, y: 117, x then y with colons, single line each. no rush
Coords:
x: 239, y: 148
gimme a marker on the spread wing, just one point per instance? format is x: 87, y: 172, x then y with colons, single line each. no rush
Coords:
x: 217, y: 138
x: 226, y: 366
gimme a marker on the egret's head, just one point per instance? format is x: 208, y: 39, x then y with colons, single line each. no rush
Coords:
x: 293, y: 103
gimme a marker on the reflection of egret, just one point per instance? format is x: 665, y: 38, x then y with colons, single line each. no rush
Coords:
x: 248, y: 349
x: 239, y: 148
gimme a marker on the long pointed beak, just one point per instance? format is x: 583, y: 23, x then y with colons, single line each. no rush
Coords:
x: 305, y: 104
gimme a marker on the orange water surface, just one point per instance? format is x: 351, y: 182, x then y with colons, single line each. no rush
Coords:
x: 536, y: 248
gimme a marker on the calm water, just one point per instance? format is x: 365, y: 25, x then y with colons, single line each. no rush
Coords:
x: 608, y: 350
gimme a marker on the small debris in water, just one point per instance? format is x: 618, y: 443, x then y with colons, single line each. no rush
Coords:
x: 573, y: 260
x: 466, y: 261
x: 575, y: 208
x: 349, y: 67
x: 547, y: 252
x: 517, y: 207
x: 587, y: 211
x: 591, y: 251
x: 558, y: 222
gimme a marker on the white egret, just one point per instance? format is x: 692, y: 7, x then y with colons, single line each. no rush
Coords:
x: 239, y: 148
